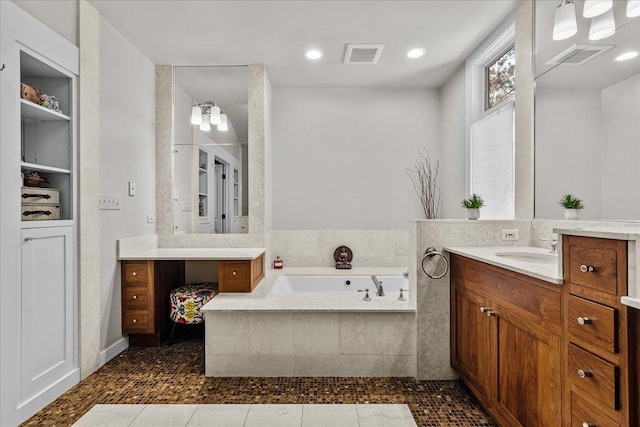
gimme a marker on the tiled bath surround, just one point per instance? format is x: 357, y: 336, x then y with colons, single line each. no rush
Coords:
x: 302, y: 344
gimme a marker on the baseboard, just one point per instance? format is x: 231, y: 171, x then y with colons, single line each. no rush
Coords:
x: 113, y: 350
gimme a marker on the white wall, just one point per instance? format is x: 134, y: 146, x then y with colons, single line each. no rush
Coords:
x: 621, y: 150
x: 127, y: 152
x: 59, y: 15
x: 452, y: 105
x: 568, y: 150
x: 339, y: 156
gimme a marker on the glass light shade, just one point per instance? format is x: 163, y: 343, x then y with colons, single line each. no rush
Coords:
x: 564, y: 22
x: 205, y: 126
x: 196, y: 115
x: 224, y: 124
x: 602, y: 26
x: 594, y: 8
x: 215, y: 115
x: 633, y: 8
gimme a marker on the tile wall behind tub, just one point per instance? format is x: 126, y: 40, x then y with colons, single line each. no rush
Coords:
x: 433, y: 340
x: 314, y: 248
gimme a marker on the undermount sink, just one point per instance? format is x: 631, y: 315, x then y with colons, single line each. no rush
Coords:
x: 540, y: 258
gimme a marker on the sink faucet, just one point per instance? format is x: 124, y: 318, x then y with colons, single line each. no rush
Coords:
x: 378, y: 283
x: 554, y: 244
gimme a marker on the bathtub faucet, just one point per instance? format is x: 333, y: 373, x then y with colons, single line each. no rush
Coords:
x: 378, y: 283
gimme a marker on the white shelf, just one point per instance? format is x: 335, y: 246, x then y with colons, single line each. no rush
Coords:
x: 47, y: 223
x: 202, y: 170
x: 35, y: 111
x: 43, y: 168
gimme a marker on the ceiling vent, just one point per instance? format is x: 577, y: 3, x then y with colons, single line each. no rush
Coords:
x: 578, y: 54
x: 363, y: 53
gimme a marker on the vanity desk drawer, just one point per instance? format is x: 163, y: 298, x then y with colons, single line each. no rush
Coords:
x: 136, y: 297
x: 136, y: 320
x: 240, y: 276
x: 592, y: 325
x: 136, y: 272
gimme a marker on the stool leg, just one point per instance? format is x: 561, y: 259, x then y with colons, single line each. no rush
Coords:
x: 173, y: 329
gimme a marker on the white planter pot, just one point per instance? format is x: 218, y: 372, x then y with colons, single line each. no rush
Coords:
x: 572, y: 213
x: 473, y: 213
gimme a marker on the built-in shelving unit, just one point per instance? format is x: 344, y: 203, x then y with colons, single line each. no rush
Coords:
x: 35, y: 111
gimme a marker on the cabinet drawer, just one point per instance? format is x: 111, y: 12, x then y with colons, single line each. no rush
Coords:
x: 235, y: 272
x: 594, y: 268
x: 590, y: 323
x: 136, y: 320
x: 596, y: 377
x: 136, y: 272
x: 585, y: 413
x: 136, y: 297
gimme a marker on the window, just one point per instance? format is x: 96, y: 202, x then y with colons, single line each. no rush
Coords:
x: 501, y: 78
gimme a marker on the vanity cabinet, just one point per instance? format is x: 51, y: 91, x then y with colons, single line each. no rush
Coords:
x: 506, y: 342
x: 241, y: 275
x: 145, y: 299
x: 601, y: 351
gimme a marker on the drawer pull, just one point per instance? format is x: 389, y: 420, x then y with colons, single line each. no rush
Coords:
x: 135, y: 297
x: 586, y: 424
x: 135, y: 273
x: 584, y: 374
x: 135, y: 320
x: 486, y: 311
x: 37, y: 196
x: 584, y: 321
x: 587, y: 268
x: 235, y: 273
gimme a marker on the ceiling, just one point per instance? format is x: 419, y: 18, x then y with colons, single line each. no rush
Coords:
x: 598, y: 73
x: 277, y: 33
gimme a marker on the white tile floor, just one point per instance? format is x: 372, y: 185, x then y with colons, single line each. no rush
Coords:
x: 248, y: 416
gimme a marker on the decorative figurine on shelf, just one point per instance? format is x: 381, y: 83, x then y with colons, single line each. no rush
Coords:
x: 343, y: 257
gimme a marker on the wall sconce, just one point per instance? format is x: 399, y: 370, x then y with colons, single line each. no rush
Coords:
x: 207, y: 114
x: 564, y: 22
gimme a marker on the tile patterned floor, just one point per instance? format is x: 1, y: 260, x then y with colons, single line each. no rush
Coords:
x: 175, y: 375
x: 371, y: 415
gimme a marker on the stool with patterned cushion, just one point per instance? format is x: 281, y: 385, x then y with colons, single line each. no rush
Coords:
x: 186, y: 303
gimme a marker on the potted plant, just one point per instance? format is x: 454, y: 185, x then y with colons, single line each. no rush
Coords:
x: 572, y: 206
x: 472, y: 206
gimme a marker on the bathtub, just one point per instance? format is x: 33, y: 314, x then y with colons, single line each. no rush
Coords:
x: 390, y: 284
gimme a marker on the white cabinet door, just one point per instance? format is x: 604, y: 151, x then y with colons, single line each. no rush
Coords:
x: 46, y: 309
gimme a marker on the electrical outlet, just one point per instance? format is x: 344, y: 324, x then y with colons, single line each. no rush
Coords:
x: 151, y: 219
x: 109, y: 202
x: 132, y: 188
x: 510, y: 234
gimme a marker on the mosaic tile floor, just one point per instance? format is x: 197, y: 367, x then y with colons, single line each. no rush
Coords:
x: 175, y: 375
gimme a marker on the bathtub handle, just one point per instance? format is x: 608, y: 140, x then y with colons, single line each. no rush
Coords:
x: 430, y: 253
x: 366, y: 295
x: 401, y: 297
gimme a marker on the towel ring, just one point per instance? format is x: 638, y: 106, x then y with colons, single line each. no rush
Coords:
x: 431, y: 252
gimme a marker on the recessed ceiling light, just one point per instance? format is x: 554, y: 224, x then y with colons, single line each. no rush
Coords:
x: 626, y: 56
x: 416, y: 53
x: 313, y: 54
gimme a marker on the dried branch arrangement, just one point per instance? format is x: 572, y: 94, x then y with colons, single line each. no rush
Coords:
x: 424, y: 177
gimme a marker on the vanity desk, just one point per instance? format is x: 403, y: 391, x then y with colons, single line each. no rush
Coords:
x: 148, y: 277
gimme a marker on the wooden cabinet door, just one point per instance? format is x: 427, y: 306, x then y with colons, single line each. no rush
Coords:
x: 528, y: 375
x: 471, y: 339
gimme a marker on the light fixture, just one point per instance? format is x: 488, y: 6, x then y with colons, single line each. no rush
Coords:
x: 593, y: 8
x: 602, y: 26
x: 416, y: 53
x: 205, y: 125
x: 564, y: 22
x: 313, y: 54
x: 626, y: 56
x: 224, y: 124
x: 196, y: 115
x: 633, y: 8
x: 215, y: 115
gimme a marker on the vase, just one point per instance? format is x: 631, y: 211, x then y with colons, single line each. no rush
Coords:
x: 572, y: 214
x: 473, y: 213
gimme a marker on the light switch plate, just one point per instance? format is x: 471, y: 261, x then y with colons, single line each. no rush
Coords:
x: 109, y: 202
x: 132, y: 188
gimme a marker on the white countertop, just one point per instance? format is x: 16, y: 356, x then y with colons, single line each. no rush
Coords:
x: 631, y: 302
x: 262, y: 300
x: 548, y: 271
x: 619, y: 233
x: 196, y: 254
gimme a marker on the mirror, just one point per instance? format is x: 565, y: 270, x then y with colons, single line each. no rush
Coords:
x: 210, y: 164
x: 587, y: 117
